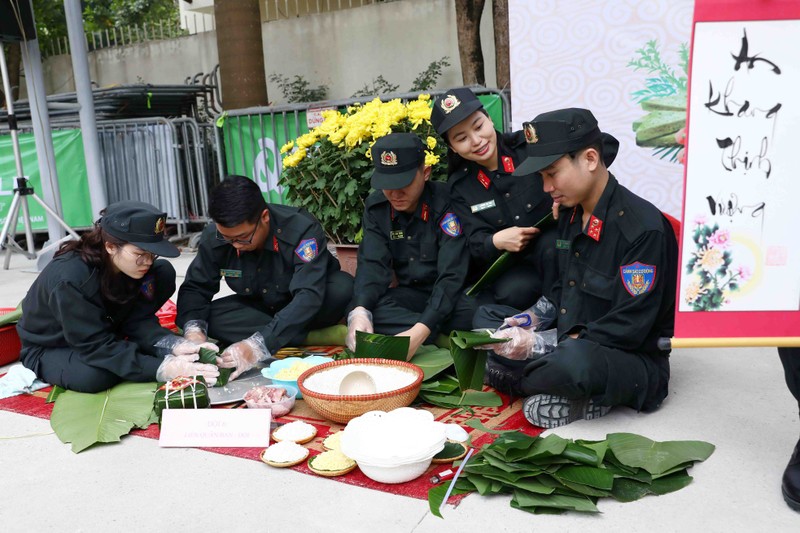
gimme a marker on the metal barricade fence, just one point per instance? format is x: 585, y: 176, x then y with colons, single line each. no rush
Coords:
x: 249, y: 140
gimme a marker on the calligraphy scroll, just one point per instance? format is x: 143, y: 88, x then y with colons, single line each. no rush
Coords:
x: 740, y: 249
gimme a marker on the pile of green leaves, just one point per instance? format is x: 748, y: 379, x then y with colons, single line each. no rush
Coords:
x: 553, y: 475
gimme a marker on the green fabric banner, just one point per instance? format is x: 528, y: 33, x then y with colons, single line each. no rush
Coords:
x: 252, y: 143
x: 71, y: 168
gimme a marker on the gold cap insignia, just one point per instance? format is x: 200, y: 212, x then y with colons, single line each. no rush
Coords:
x: 530, y: 134
x: 159, y: 225
x: 388, y: 159
x: 449, y: 103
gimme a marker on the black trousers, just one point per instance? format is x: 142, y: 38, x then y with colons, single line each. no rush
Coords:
x: 790, y: 358
x: 234, y: 318
x: 402, y: 307
x: 533, y: 274
x: 65, y: 367
x: 579, y: 369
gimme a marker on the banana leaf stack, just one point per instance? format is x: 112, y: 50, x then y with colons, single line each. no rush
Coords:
x: 553, y: 475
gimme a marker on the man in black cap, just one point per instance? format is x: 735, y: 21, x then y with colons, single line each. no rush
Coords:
x: 89, y: 319
x: 409, y: 228
x: 276, y: 260
x: 615, y: 296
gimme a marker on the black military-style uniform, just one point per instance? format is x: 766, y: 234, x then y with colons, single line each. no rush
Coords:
x: 290, y: 286
x: 73, y: 337
x: 616, y: 290
x: 427, y: 252
x: 490, y: 201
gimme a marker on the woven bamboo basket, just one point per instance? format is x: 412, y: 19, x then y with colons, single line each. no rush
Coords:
x: 343, y: 408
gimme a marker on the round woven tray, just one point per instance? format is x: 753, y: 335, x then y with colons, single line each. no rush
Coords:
x: 330, y: 473
x: 450, y: 459
x: 283, y: 465
x: 343, y: 408
x: 302, y: 441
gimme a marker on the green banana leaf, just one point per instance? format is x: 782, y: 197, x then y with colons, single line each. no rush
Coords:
x: 436, y: 494
x: 531, y: 502
x: 55, y: 392
x: 209, y: 357
x: 462, y: 399
x: 656, y: 457
x: 433, y: 361
x: 444, y: 385
x: 586, y: 475
x: 470, y: 363
x: 628, y: 490
x: 12, y: 317
x: 474, y: 423
x: 375, y: 345
x: 504, y: 262
x: 86, y: 419
x: 330, y: 336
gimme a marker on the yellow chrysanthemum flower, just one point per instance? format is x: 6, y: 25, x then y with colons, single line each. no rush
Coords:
x: 424, y: 97
x: 293, y: 159
x: 307, y: 140
x: 430, y: 158
x: 286, y: 147
x: 431, y: 142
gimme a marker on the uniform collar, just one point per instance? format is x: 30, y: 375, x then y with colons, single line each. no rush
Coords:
x: 594, y: 228
x: 423, y: 211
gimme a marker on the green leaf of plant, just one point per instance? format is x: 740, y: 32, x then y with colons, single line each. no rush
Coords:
x: 529, y: 500
x: 444, y: 385
x: 474, y: 423
x: 598, y: 478
x: 209, y: 357
x: 436, y: 496
x: 432, y: 360
x: 55, y: 392
x: 375, y: 345
x: 542, y: 448
x: 86, y: 419
x: 656, y: 457
x: 470, y: 363
x: 460, y: 399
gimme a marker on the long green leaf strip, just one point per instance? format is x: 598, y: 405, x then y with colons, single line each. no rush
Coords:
x: 554, y: 475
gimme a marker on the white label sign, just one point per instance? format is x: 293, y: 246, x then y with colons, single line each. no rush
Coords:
x: 314, y: 116
x: 215, y: 428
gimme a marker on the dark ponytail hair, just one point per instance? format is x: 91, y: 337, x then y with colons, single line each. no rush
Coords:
x: 115, y: 287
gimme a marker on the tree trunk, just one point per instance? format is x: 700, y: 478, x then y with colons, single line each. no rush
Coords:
x: 500, y: 18
x: 468, y: 22
x: 241, y: 53
x: 13, y: 61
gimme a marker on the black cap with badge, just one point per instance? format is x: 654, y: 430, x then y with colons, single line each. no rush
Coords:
x: 452, y: 107
x: 139, y: 224
x: 397, y: 158
x: 554, y: 134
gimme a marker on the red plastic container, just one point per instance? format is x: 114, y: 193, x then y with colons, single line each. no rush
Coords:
x: 9, y: 341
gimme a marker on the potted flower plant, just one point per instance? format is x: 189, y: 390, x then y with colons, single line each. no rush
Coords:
x: 327, y: 170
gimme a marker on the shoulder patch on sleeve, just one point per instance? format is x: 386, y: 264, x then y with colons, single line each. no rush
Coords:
x: 148, y: 287
x: 638, y: 278
x: 451, y: 225
x: 307, y: 250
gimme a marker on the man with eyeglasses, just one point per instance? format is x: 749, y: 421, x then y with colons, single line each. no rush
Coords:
x: 275, y: 258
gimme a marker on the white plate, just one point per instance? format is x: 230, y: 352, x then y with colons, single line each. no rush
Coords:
x: 235, y: 390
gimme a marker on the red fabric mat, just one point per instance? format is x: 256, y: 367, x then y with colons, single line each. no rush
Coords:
x: 509, y: 416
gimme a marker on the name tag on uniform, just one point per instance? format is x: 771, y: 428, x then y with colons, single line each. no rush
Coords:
x: 230, y: 273
x: 396, y: 234
x: 482, y: 207
x: 562, y: 245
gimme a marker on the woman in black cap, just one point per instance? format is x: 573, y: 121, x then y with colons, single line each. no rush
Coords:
x: 498, y: 210
x: 89, y: 319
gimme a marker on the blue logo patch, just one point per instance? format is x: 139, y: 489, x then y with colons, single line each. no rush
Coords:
x: 638, y: 278
x: 148, y: 287
x: 451, y: 225
x: 307, y: 250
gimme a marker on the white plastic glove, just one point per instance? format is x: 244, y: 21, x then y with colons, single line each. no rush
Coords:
x: 175, y: 366
x: 180, y: 346
x: 523, y: 343
x: 359, y: 319
x: 243, y: 355
x: 196, y: 331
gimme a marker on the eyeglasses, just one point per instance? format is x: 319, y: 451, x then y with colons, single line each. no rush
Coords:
x: 221, y: 237
x: 142, y: 257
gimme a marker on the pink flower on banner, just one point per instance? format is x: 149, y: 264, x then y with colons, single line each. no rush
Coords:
x: 700, y: 220
x: 743, y: 273
x: 680, y: 136
x: 720, y: 239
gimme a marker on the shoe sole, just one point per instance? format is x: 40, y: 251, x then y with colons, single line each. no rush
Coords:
x: 548, y: 412
x: 791, y: 502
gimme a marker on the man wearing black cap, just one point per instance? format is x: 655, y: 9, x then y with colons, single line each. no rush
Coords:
x: 615, y: 295
x: 89, y: 319
x: 276, y: 260
x: 410, y: 228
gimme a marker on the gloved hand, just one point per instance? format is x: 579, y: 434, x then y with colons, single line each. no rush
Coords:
x: 537, y: 317
x: 175, y: 366
x: 359, y: 319
x: 180, y: 346
x: 196, y: 331
x: 523, y: 343
x: 243, y: 355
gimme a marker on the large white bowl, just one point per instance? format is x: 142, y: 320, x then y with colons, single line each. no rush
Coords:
x: 395, y: 474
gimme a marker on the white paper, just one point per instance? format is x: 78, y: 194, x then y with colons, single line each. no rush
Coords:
x: 215, y: 428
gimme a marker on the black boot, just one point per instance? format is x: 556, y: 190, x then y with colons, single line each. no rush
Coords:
x: 791, y: 480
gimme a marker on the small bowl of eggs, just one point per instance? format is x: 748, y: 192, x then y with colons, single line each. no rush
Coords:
x: 284, y: 372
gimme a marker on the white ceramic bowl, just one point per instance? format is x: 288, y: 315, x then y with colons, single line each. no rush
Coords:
x: 395, y: 474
